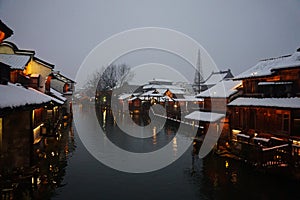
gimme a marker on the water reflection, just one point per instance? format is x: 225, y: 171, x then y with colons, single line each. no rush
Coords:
x: 158, y: 140
x: 224, y: 178
x: 189, y: 177
x: 45, y: 173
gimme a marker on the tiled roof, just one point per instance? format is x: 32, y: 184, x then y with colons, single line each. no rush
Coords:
x: 14, y: 60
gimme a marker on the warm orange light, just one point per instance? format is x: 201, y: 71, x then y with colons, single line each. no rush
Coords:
x: 28, y: 69
x: 66, y: 87
x: 2, y: 36
x: 226, y: 164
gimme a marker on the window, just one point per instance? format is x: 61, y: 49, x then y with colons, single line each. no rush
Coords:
x: 283, y: 120
x: 66, y: 87
x: 286, y: 122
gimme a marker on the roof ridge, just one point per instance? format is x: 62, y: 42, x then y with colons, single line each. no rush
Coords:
x: 275, y: 58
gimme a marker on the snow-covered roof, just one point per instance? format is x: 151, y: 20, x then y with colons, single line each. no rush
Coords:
x: 58, y: 94
x: 133, y: 98
x: 243, y: 135
x: 42, y: 62
x: 53, y: 99
x: 15, y: 95
x: 266, y: 67
x: 124, y: 96
x: 214, y: 79
x: 161, y: 92
x: 267, y: 102
x: 166, y: 98
x: 276, y: 83
x: 157, y: 86
x: 159, y: 81
x: 177, y: 91
x: 61, y: 77
x: 205, y: 116
x: 68, y: 93
x: 152, y: 93
x: 14, y: 60
x: 261, y: 139
x: 189, y: 98
x: 221, y: 89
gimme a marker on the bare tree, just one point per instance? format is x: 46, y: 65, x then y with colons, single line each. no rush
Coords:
x: 111, y: 77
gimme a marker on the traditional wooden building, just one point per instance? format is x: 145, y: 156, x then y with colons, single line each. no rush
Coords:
x: 268, y: 111
x: 135, y: 105
x: 57, y: 82
x: 61, y: 83
x: 25, y: 64
x: 27, y: 107
x: 156, y: 91
x: 17, y: 63
x: 217, y: 97
x: 215, y: 100
x: 214, y: 78
x: 210, y: 127
x: 189, y: 103
x: 27, y: 111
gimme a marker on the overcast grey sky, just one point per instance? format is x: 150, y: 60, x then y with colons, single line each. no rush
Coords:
x: 236, y: 33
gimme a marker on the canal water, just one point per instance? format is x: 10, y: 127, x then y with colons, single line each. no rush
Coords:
x: 210, y: 178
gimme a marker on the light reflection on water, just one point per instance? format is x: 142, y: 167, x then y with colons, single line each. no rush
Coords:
x: 211, y: 178
x: 154, y: 142
x: 175, y: 146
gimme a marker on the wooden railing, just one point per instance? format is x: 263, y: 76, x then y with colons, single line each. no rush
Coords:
x: 276, y: 156
x: 265, y: 157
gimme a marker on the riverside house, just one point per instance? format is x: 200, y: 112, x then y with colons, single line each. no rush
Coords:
x: 62, y: 87
x: 214, y: 78
x: 26, y: 107
x: 265, y: 119
x: 32, y: 72
x: 30, y: 121
x: 214, y: 111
